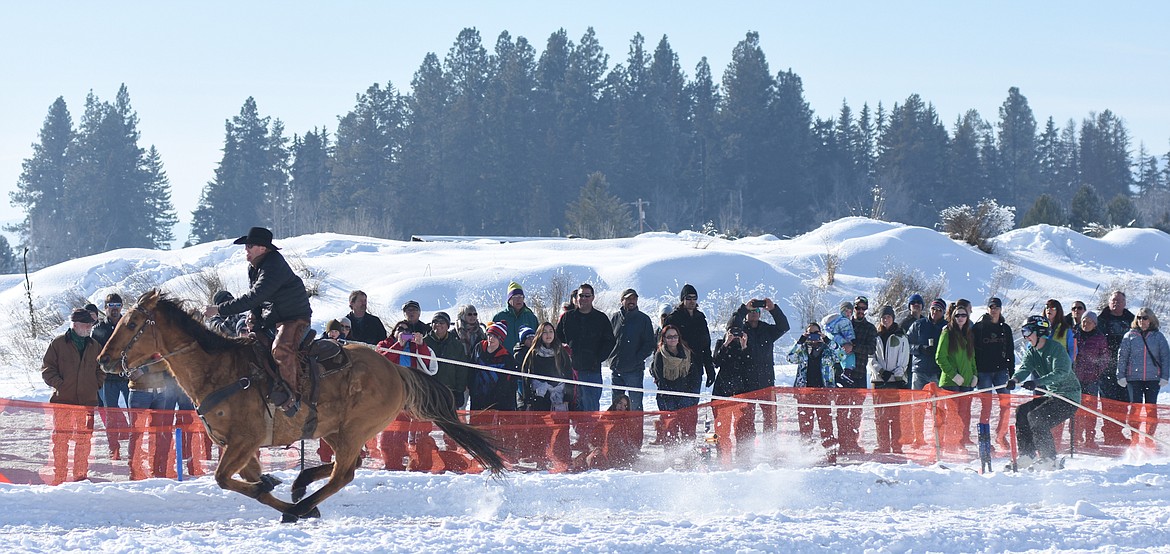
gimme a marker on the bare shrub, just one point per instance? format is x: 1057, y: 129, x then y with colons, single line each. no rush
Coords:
x: 830, y: 263
x: 809, y: 303
x: 26, y: 350
x: 1003, y: 278
x: 977, y: 225
x: 899, y: 281
x: 1125, y: 284
x: 546, y: 300
x: 1157, y: 295
x: 313, y: 277
x: 201, y: 285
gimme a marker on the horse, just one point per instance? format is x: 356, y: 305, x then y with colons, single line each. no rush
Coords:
x: 221, y: 376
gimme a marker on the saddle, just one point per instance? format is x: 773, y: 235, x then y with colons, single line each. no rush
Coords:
x: 318, y: 358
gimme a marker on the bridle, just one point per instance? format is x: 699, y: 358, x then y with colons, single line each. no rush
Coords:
x: 149, y: 323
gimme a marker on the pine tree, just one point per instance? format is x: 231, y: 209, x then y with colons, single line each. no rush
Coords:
x: 1104, y: 154
x: 911, y: 166
x: 8, y: 262
x: 747, y: 131
x: 598, y: 214
x: 309, y: 180
x: 703, y: 154
x: 1046, y: 210
x: 365, y: 195
x: 40, y: 190
x: 1086, y: 208
x: 1017, y: 149
x: 1122, y: 212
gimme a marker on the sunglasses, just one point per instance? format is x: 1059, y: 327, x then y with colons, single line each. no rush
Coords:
x: 691, y: 297
x: 1141, y: 318
x: 113, y: 304
x: 1078, y: 308
x: 584, y: 296
x: 960, y: 315
x: 671, y: 337
x: 473, y: 314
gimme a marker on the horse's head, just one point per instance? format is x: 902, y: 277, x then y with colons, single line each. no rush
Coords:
x: 135, y: 341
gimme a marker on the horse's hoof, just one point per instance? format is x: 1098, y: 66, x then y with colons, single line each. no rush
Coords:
x: 289, y: 518
x: 267, y: 483
x: 313, y: 514
x: 298, y: 494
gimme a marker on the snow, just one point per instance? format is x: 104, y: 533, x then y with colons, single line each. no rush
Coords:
x: 1094, y: 504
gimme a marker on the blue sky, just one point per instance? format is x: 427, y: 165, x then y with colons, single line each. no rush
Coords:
x: 189, y: 66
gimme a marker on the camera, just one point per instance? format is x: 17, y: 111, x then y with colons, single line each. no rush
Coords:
x: 736, y: 332
x: 406, y: 337
x: 759, y: 303
x: 814, y: 337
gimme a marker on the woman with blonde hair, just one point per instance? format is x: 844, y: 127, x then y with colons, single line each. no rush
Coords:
x: 1143, y: 367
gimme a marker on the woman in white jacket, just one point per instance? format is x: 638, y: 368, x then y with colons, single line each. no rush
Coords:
x: 887, y: 369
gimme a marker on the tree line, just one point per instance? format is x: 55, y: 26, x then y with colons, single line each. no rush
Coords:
x: 515, y: 142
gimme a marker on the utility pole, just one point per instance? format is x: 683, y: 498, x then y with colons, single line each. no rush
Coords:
x: 641, y: 214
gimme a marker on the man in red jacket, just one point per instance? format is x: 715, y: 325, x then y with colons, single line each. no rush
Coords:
x: 70, y: 366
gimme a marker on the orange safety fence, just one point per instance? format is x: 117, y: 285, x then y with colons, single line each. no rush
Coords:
x: 53, y: 443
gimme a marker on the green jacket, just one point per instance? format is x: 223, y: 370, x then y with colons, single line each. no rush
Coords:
x: 515, y: 320
x: 456, y: 377
x: 959, y: 362
x: 1052, y: 369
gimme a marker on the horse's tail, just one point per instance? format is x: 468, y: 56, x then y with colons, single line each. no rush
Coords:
x: 427, y: 398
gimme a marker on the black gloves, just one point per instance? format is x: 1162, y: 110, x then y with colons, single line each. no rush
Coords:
x: 1010, y: 385
x: 710, y: 376
x: 1030, y: 385
x: 886, y: 375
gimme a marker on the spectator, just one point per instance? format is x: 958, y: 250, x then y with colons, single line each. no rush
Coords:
x: 527, y: 336
x: 1073, y: 319
x: 546, y: 358
x: 888, y: 369
x: 333, y: 329
x: 447, y: 347
x: 364, y: 326
x: 515, y: 315
x: 695, y: 333
x: 588, y: 335
x: 956, y: 361
x: 115, y: 393
x: 664, y: 312
x: 815, y: 357
x: 1062, y: 331
x: 923, y: 337
x: 761, y: 339
x: 1092, y: 359
x: 915, y: 306
x: 410, y: 312
x: 737, y: 375
x: 346, y: 328
x: 469, y: 330
x: 1143, y: 367
x: 407, y: 348
x: 1049, y: 363
x: 569, y: 305
x: 995, y: 359
x: 674, y: 368
x: 491, y: 390
x: 228, y: 325
x: 634, y: 333
x: 278, y: 299
x: 839, y: 329
x: 864, y: 346
x: 70, y: 367
x: 1114, y: 321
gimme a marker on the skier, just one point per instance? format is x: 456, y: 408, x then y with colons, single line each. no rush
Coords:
x: 1048, y: 361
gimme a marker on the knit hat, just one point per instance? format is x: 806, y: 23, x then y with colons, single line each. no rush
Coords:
x: 411, y: 305
x: 81, y: 315
x: 1090, y: 316
x: 525, y: 332
x: 666, y: 309
x: 687, y: 290
x: 915, y: 299
x: 514, y: 289
x: 499, y: 329
x: 994, y: 302
x: 333, y: 325
x: 441, y: 316
x: 846, y: 307
x: 221, y: 297
x: 887, y: 311
x: 628, y: 293
x: 345, y: 322
x: 92, y: 308
x: 939, y: 303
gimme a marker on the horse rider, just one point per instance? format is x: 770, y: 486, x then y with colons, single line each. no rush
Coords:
x: 279, y: 302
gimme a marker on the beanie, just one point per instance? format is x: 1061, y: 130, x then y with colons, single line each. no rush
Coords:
x: 887, y: 311
x: 916, y: 299
x: 846, y: 306
x: 221, y: 297
x: 441, y: 316
x: 687, y: 290
x: 525, y: 332
x: 499, y: 329
x: 514, y: 289
x: 411, y: 305
x: 939, y: 303
x: 333, y: 325
x: 345, y: 322
x: 666, y: 309
x: 1090, y: 316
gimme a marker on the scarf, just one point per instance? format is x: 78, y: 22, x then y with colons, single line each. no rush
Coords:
x: 674, y: 367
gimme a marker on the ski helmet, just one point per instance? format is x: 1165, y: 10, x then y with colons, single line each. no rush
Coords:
x: 1039, y: 325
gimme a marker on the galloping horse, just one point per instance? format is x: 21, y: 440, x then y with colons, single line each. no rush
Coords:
x: 219, y: 374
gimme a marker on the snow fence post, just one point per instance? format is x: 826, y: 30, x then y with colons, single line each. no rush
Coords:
x: 179, y: 453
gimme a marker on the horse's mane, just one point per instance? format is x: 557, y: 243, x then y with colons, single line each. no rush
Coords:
x: 210, y: 341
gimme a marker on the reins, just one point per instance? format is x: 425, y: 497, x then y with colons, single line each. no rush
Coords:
x: 150, y: 322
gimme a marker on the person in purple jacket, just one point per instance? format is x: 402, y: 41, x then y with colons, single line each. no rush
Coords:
x: 1092, y: 358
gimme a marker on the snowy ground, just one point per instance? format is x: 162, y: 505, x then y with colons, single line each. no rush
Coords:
x: 1093, y: 505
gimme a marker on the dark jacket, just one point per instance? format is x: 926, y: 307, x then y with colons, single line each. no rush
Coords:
x: 864, y: 347
x: 456, y: 377
x: 368, y: 329
x: 907, y: 322
x: 1114, y: 327
x: 761, y: 343
x: 103, y: 330
x: 686, y: 383
x: 995, y: 348
x: 74, y: 376
x: 1092, y: 356
x: 491, y: 390
x: 737, y: 372
x: 634, y: 333
x: 515, y: 320
x: 589, y: 336
x: 693, y: 330
x: 924, y: 335
x: 545, y: 366
x: 276, y: 294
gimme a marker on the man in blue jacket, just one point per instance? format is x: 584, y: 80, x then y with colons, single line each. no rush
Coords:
x: 634, y: 333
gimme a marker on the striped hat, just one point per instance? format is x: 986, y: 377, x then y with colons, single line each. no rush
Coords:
x: 499, y: 329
